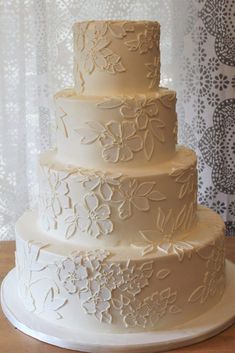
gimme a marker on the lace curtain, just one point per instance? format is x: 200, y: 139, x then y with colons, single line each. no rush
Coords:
x: 197, y: 53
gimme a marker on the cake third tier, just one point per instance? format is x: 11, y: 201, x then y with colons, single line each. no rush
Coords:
x: 103, y: 209
x: 116, y: 131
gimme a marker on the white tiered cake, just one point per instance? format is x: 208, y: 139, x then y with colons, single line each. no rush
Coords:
x: 118, y: 244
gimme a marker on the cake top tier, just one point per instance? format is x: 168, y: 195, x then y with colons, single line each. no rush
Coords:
x: 116, y: 57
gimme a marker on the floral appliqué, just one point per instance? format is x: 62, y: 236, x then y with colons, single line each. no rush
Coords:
x: 146, y: 40
x: 137, y: 195
x: 167, y: 224
x: 154, y: 72
x: 103, y: 184
x: 151, y: 310
x: 93, y: 47
x: 27, y: 264
x: 214, y: 279
x: 90, y: 217
x: 119, y: 140
x: 61, y: 120
x: 102, y: 286
x: 144, y: 111
x: 187, y: 179
x: 54, y: 193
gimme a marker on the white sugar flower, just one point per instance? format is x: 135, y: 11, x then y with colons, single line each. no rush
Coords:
x: 74, y: 276
x: 120, y: 141
x: 141, y: 108
x: 135, y: 314
x: 59, y: 192
x: 137, y: 195
x: 103, y: 182
x: 94, y: 218
x: 153, y: 73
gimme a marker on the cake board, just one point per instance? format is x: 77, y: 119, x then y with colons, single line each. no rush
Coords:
x: 205, y: 326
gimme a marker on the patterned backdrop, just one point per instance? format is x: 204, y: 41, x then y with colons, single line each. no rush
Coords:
x: 198, y: 59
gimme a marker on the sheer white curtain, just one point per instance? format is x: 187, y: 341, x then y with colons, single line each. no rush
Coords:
x: 36, y: 60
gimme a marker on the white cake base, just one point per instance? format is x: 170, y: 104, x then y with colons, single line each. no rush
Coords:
x: 207, y: 325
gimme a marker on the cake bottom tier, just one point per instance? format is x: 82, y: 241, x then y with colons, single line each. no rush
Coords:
x: 119, y: 290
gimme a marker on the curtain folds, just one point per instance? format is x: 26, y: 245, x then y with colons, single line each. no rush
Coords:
x: 197, y: 55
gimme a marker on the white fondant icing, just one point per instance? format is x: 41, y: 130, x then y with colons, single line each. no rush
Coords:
x: 118, y: 244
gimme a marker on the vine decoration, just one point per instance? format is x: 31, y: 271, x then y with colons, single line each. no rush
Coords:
x: 167, y: 224
x: 27, y: 265
x: 92, y: 46
x: 146, y: 40
x: 214, y: 280
x: 187, y: 179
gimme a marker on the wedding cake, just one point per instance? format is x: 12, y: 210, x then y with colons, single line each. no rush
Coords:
x: 118, y: 243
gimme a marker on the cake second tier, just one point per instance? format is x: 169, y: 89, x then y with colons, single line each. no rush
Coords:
x: 113, y: 132
x: 99, y: 208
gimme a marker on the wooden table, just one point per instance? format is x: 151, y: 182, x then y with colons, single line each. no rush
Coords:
x: 14, y: 341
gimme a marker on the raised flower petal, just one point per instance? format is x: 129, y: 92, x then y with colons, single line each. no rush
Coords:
x: 82, y: 284
x: 89, y: 306
x: 143, y: 46
x: 80, y: 43
x: 141, y: 320
x: 130, y: 321
x: 56, y: 207
x: 91, y: 201
x: 94, y: 287
x: 111, y: 153
x: 71, y: 229
x: 81, y: 211
x: 125, y: 210
x: 105, y: 294
x: 107, y: 139
x: 92, y: 182
x: 100, y: 61
x: 94, y: 230
x: 156, y: 127
x: 141, y: 203
x: 101, y: 28
x: 151, y: 108
x: 114, y: 128
x: 101, y: 43
x: 103, y: 212
x: 70, y: 286
x: 135, y: 143
x: 127, y: 186
x: 106, y: 52
x: 128, y: 110
x: 68, y: 266
x: 63, y: 274
x: 125, y: 153
x: 128, y: 129
x: 106, y: 226
x: 84, y: 223
x: 142, y: 120
x: 102, y: 306
x: 89, y: 64
x: 81, y: 272
x: 106, y: 191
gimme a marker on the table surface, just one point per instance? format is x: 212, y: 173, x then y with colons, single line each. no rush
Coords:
x: 14, y: 341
